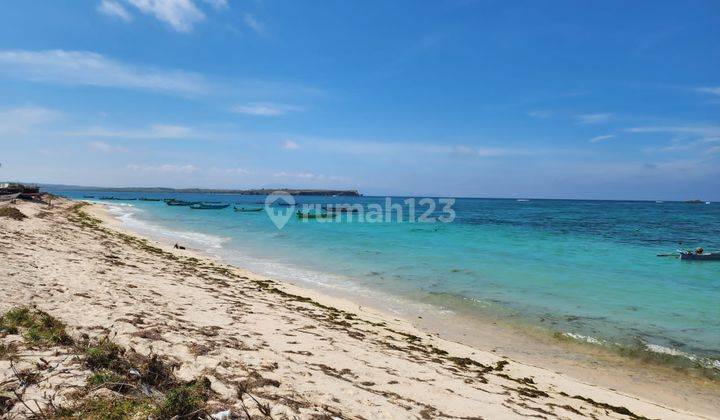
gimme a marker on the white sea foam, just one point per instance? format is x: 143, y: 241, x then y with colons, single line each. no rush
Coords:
x: 655, y: 348
x: 127, y: 214
x: 585, y: 338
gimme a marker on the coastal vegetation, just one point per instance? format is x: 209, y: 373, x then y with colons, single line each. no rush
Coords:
x: 135, y: 385
x: 12, y: 213
x: 158, y: 359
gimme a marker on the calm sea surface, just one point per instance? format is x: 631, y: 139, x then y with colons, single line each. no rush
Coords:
x: 584, y: 269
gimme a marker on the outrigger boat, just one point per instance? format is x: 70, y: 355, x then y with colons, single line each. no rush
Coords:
x: 693, y: 256
x: 697, y: 255
x: 314, y: 215
x: 209, y: 206
x: 173, y: 202
x: 244, y: 210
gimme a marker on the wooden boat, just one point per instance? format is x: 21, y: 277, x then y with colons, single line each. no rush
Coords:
x: 9, y: 197
x: 180, y: 203
x: 244, y: 210
x: 691, y: 256
x: 308, y: 215
x: 209, y: 206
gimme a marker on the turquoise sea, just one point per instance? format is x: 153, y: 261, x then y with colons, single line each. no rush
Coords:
x: 587, y: 270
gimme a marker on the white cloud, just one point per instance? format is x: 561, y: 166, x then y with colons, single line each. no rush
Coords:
x: 114, y: 9
x: 105, y: 147
x: 712, y: 90
x: 92, y: 69
x: 181, y: 15
x: 263, y: 109
x: 157, y: 131
x: 290, y: 145
x: 166, y: 168
x: 385, y: 149
x: 21, y: 120
x: 254, y: 24
x: 594, y: 118
x: 705, y: 131
x: 601, y: 138
x: 692, y: 138
x: 308, y: 176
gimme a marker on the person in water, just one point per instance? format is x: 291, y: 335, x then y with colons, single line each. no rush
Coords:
x: 699, y: 250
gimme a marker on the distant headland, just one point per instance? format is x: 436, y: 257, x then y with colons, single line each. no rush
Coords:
x: 253, y: 191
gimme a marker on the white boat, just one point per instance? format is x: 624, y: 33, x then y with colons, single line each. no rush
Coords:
x: 9, y: 197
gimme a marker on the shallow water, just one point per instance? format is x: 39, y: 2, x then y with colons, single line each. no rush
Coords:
x: 586, y: 269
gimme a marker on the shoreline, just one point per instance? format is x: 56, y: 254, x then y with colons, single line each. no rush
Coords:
x: 318, y: 353
x: 590, y: 363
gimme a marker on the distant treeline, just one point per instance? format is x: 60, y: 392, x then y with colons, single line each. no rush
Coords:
x: 261, y: 191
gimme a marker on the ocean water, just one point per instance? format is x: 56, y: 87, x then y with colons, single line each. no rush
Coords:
x: 586, y: 270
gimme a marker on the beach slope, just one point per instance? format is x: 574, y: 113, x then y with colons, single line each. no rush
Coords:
x: 292, y: 352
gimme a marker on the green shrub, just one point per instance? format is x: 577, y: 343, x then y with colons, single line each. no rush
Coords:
x: 185, y: 401
x: 36, y: 326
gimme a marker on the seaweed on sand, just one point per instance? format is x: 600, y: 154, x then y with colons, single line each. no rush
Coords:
x: 12, y: 213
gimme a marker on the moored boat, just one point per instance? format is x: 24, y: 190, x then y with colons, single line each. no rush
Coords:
x: 314, y: 215
x: 246, y: 210
x: 9, y: 197
x: 172, y: 202
x: 691, y: 256
x: 209, y: 206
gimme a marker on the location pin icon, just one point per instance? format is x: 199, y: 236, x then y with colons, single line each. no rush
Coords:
x: 280, y: 214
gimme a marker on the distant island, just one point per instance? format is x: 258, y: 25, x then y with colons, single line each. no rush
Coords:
x: 255, y: 191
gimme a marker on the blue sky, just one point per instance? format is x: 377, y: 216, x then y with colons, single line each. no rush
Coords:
x: 556, y: 99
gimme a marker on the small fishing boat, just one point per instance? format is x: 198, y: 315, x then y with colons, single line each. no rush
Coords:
x: 694, y: 256
x: 313, y: 215
x: 180, y: 203
x: 209, y: 206
x: 150, y: 199
x: 9, y: 197
x: 245, y: 210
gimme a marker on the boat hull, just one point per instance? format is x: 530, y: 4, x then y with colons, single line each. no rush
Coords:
x: 209, y: 206
x: 700, y: 257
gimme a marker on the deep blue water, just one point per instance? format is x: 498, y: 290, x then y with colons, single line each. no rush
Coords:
x: 584, y: 268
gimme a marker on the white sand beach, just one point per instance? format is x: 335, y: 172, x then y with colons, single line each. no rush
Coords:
x: 297, y: 352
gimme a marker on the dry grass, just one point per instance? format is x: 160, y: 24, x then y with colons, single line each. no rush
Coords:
x: 12, y: 213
